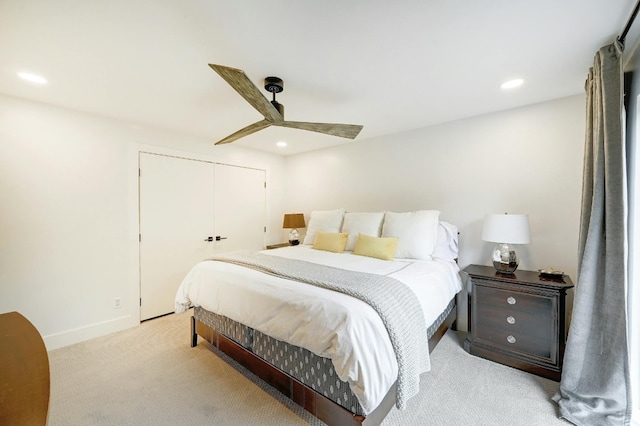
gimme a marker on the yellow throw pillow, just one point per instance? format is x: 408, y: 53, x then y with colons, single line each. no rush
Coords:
x: 378, y: 247
x: 330, y: 241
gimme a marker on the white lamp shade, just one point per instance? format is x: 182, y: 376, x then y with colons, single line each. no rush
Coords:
x: 506, y: 228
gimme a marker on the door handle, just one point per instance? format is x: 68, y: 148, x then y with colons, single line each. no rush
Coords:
x: 217, y: 238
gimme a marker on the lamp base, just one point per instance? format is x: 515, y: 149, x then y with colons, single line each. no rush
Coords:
x: 293, y: 237
x: 505, y: 259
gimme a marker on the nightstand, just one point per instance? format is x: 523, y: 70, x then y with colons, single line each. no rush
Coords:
x: 275, y: 246
x: 517, y: 320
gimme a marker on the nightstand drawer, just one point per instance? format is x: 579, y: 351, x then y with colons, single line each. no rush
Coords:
x: 538, y: 325
x: 508, y: 299
x: 515, y: 342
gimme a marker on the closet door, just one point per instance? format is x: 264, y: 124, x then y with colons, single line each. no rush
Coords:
x: 240, y: 208
x: 190, y: 210
x: 176, y: 216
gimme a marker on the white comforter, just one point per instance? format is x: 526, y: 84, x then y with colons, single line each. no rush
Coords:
x: 327, y: 323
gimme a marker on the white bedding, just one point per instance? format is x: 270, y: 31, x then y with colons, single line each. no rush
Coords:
x: 327, y: 323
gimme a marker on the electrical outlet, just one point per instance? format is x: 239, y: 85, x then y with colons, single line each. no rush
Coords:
x: 117, y: 303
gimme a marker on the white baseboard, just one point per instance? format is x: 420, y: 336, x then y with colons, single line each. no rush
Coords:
x: 69, y: 337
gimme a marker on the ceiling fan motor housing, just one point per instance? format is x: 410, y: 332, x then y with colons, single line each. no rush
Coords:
x: 274, y: 84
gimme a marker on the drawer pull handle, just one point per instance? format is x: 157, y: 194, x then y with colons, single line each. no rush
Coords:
x: 511, y: 320
x: 511, y: 300
x: 511, y: 339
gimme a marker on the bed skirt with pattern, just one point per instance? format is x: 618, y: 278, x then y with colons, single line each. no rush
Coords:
x: 308, y: 368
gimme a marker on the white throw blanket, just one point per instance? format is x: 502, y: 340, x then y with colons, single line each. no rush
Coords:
x: 396, y: 304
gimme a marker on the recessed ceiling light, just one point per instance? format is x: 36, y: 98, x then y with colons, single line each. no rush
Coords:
x: 511, y: 84
x: 281, y: 144
x: 32, y: 78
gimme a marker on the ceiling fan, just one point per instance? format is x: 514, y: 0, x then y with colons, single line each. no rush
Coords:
x: 273, y: 111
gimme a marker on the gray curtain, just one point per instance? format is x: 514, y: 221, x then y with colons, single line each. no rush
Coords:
x: 595, y: 385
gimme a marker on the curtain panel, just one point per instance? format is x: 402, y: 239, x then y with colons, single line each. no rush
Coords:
x: 595, y: 384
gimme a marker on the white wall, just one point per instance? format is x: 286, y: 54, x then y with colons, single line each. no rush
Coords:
x: 526, y: 160
x: 68, y: 188
x: 68, y: 214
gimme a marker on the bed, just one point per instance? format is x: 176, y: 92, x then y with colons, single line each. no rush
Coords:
x: 342, y: 324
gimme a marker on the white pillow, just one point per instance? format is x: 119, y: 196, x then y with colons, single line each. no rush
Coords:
x: 325, y: 221
x: 366, y: 223
x: 417, y: 233
x: 447, y: 242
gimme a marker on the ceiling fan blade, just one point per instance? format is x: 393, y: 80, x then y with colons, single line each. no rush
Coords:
x: 246, y: 131
x: 349, y: 131
x: 241, y: 83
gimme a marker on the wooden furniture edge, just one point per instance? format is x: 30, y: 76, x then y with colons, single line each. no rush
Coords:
x: 24, y: 367
x: 315, y: 403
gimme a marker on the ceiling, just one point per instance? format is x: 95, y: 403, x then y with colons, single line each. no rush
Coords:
x: 390, y: 66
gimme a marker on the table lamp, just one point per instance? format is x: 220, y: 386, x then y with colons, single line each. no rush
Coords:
x: 505, y: 230
x: 293, y: 221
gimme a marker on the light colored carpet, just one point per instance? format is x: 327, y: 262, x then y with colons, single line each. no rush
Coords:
x: 149, y: 375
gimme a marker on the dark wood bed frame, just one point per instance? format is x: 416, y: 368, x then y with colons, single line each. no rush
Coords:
x: 315, y: 403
